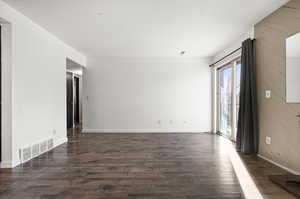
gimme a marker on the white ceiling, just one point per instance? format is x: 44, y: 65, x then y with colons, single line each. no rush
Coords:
x: 147, y: 28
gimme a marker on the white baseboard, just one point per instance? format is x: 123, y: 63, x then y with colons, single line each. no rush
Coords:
x: 279, y: 165
x: 143, y: 131
x: 7, y: 164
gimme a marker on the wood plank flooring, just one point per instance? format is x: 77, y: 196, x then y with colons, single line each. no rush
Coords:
x: 133, y: 166
x: 260, y: 170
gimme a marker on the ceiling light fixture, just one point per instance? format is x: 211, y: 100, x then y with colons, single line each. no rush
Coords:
x: 182, y: 53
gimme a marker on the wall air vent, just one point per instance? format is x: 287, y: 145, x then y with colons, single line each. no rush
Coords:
x: 26, y: 154
x: 44, y: 146
x: 50, y: 144
x: 35, y: 150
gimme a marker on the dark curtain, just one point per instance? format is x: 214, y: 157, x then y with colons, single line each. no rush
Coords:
x: 247, y: 132
x: 0, y: 93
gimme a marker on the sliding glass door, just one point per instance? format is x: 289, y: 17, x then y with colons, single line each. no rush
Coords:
x: 228, y: 98
x: 237, y: 88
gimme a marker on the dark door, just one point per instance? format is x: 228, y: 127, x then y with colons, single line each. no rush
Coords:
x: 77, y: 102
x: 69, y: 100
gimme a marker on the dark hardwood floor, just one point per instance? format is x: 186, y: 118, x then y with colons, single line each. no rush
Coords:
x: 129, y: 166
x: 260, y: 170
x: 120, y: 166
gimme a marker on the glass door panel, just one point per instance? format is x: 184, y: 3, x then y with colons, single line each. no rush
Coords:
x: 226, y: 76
x: 229, y: 98
x: 238, y: 88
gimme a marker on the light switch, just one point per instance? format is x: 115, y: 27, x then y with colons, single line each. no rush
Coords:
x: 268, y: 94
x: 268, y: 140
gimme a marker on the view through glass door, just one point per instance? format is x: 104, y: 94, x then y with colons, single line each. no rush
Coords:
x: 226, y: 100
x: 229, y: 94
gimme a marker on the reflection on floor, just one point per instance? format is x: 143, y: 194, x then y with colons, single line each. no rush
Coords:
x: 135, y: 166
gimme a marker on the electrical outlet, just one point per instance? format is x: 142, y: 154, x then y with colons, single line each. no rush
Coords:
x: 268, y: 140
x: 54, y: 131
x: 171, y: 121
x: 159, y: 122
x: 268, y: 94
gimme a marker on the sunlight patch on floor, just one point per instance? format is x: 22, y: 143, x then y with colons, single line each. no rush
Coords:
x: 248, y: 185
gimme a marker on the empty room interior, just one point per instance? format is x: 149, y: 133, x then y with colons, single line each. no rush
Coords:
x: 147, y: 99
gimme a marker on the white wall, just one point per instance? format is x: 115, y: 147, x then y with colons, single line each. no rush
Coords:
x: 132, y: 95
x: 38, y: 66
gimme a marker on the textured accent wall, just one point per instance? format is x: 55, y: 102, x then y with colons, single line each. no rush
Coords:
x: 277, y: 118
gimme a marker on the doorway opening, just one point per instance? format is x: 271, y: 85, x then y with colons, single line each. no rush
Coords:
x: 70, y: 120
x: 76, y: 100
x: 74, y: 94
x: 229, y: 77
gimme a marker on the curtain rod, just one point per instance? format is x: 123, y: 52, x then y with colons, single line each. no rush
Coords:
x: 225, y: 56
x: 229, y: 54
